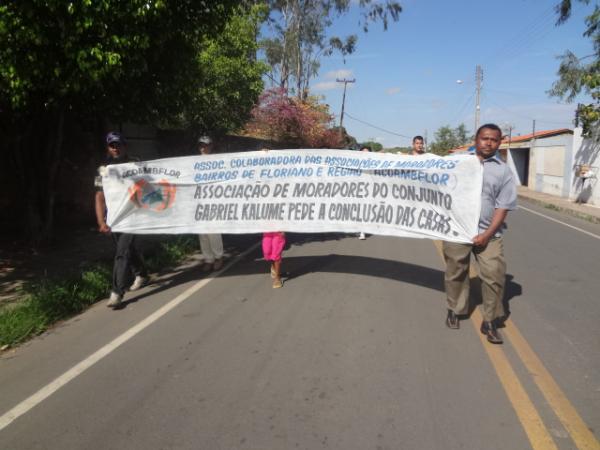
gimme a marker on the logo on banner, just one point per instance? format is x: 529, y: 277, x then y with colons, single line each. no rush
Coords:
x: 153, y: 196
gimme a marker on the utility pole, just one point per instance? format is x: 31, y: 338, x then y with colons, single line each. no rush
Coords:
x: 510, y: 128
x: 532, y: 142
x: 345, y: 81
x: 479, y: 79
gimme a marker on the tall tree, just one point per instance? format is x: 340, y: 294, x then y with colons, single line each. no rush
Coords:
x: 300, y: 35
x: 447, y: 138
x: 230, y: 80
x: 118, y: 60
x: 373, y: 144
x: 581, y: 73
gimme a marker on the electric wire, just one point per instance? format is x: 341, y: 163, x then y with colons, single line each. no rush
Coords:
x: 522, y: 40
x: 454, y: 121
x: 525, y: 116
x: 376, y: 127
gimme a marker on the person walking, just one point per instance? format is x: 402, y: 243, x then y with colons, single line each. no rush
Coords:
x: 272, y: 245
x: 362, y: 236
x: 210, y: 244
x: 128, y: 263
x: 498, y: 196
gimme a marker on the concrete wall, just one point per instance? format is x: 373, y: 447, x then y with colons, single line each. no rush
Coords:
x: 548, y: 162
x: 518, y: 160
x: 585, y: 151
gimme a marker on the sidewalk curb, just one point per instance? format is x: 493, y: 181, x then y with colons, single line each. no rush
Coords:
x: 555, y: 207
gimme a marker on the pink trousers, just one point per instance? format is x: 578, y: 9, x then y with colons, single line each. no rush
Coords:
x: 272, y: 244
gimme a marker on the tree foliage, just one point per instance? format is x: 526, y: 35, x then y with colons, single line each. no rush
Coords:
x: 230, y: 80
x: 581, y: 74
x: 299, y: 36
x: 301, y: 122
x: 374, y: 145
x: 447, y: 138
x: 145, y: 61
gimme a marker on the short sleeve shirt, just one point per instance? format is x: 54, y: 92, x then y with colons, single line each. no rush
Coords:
x: 499, y: 191
x: 102, y: 170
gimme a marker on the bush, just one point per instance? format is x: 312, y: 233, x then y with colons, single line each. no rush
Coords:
x: 48, y: 301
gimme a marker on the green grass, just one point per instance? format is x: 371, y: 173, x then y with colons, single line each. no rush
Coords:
x: 551, y: 206
x: 50, y: 300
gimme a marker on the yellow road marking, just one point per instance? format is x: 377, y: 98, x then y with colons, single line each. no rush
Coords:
x: 571, y: 420
x: 534, y: 427
x: 532, y: 423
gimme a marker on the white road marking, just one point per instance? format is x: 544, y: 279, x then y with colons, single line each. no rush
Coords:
x: 558, y: 221
x: 45, y: 392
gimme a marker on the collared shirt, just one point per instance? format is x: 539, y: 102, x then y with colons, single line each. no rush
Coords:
x: 499, y: 191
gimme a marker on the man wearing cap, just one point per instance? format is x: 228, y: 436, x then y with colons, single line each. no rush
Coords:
x: 127, y: 263
x: 210, y: 244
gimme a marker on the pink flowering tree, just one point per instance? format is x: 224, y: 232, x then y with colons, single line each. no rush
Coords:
x: 306, y: 123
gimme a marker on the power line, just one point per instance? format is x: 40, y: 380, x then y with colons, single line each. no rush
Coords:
x: 523, y: 39
x: 462, y: 108
x: 377, y: 128
x: 525, y: 116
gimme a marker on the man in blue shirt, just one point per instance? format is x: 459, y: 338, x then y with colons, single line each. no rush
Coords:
x: 498, y: 196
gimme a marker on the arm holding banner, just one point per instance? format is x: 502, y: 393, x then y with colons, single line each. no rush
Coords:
x: 100, y: 208
x: 498, y: 219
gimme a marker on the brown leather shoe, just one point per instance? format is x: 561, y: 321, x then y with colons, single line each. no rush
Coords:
x: 218, y: 264
x: 452, y: 320
x: 491, y: 333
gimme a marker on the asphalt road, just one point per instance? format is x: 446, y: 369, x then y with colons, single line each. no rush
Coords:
x: 352, y: 353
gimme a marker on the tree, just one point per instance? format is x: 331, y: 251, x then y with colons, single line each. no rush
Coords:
x: 447, y: 138
x: 305, y: 123
x: 139, y: 60
x: 300, y: 35
x: 375, y: 146
x: 581, y: 74
x: 230, y: 84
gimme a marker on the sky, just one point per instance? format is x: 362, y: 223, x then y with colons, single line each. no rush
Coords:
x: 406, y: 77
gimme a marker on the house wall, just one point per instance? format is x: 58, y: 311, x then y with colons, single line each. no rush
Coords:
x: 549, y: 159
x: 585, y: 151
x: 519, y: 157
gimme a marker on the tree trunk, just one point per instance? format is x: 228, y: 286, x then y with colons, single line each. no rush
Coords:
x: 35, y: 151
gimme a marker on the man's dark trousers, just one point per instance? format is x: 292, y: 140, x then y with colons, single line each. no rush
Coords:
x: 128, y: 262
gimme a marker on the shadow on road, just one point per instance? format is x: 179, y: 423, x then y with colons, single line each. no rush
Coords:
x: 297, y: 266
x: 511, y: 290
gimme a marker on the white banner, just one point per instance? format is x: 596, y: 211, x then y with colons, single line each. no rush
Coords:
x: 298, y: 191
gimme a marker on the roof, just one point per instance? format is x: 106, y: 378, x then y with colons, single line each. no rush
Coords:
x: 538, y: 134
x: 523, y: 138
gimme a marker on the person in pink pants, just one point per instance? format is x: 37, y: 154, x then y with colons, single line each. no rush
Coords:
x: 272, y: 244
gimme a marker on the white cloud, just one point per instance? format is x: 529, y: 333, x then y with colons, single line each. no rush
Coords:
x: 327, y: 86
x: 392, y: 90
x: 341, y: 73
x: 436, y: 104
x: 547, y: 115
x: 355, y: 56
